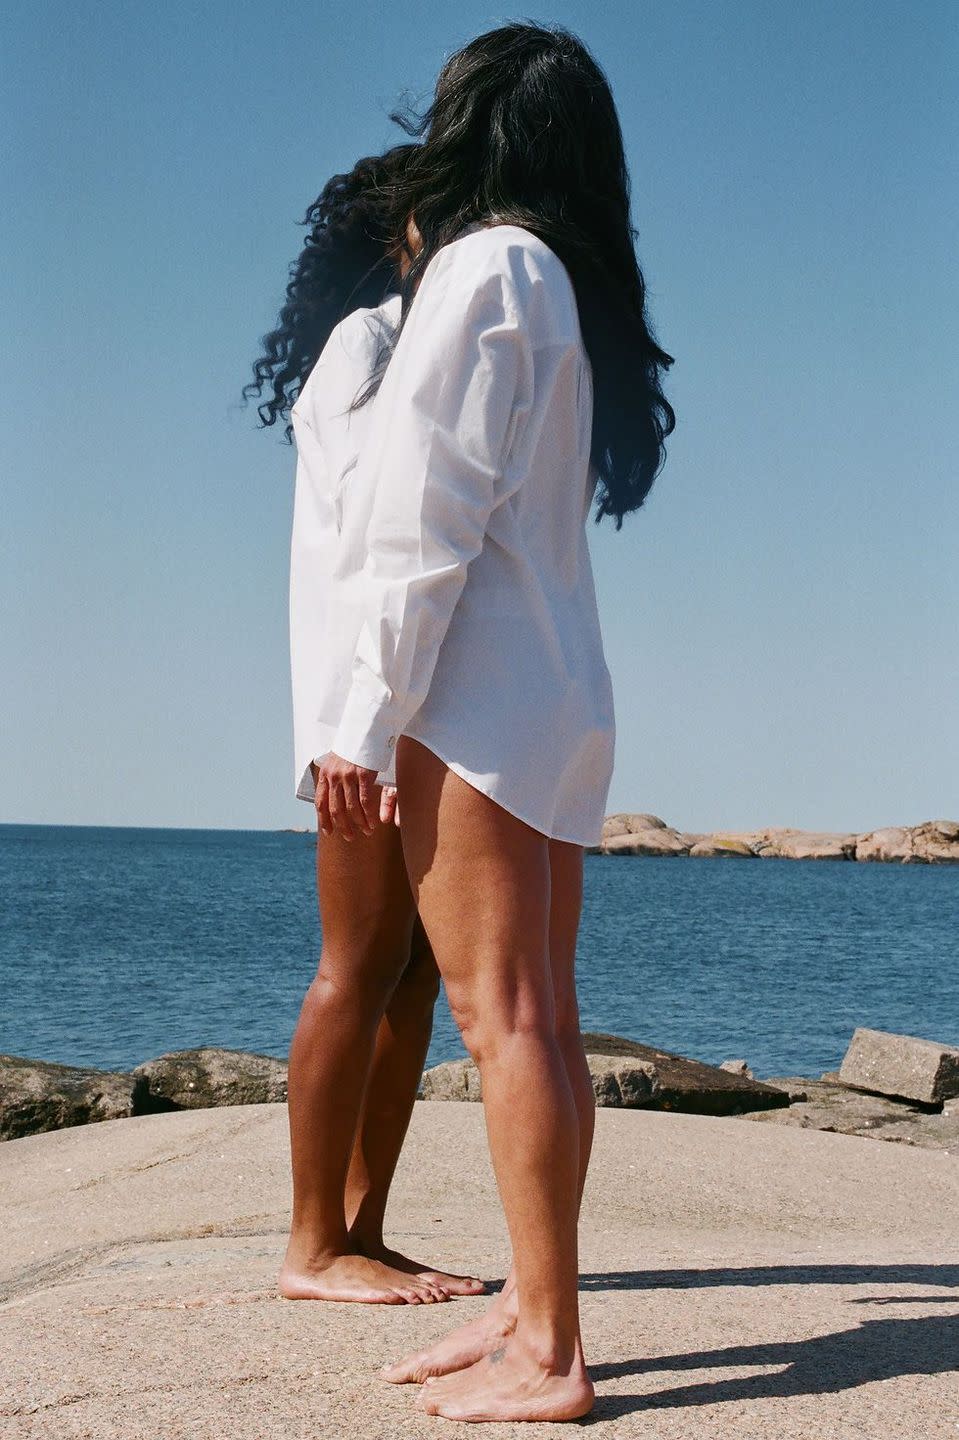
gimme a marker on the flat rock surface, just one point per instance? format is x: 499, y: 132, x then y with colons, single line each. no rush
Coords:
x: 830, y: 1106
x: 739, y: 1280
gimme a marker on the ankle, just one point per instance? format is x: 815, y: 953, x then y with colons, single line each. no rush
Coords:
x: 504, y: 1311
x: 367, y: 1242
x: 550, y: 1351
x: 307, y: 1252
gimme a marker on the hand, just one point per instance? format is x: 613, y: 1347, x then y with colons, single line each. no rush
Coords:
x: 345, y: 799
x: 389, y: 805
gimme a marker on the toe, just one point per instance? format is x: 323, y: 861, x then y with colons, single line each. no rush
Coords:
x: 426, y: 1401
x: 400, y: 1372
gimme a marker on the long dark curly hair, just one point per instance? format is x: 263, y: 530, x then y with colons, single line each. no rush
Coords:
x: 348, y: 260
x: 523, y: 130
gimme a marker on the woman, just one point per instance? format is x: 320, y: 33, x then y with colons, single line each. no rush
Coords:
x: 336, y: 1249
x: 523, y: 383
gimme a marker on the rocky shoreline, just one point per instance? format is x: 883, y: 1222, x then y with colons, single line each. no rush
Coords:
x: 933, y: 842
x: 889, y: 1087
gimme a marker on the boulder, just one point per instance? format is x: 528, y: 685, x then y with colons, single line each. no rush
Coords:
x: 628, y: 1075
x: 645, y: 842
x: 716, y: 846
x: 453, y: 1080
x: 788, y: 844
x: 737, y: 1067
x: 625, y: 824
x: 625, y: 834
x: 622, y: 1082
x: 678, y: 1083
x: 901, y: 1065
x: 198, y: 1079
x: 36, y: 1095
x: 893, y: 845
x: 936, y: 842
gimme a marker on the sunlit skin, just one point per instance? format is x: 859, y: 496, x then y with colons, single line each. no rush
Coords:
x: 486, y: 886
x: 523, y: 1358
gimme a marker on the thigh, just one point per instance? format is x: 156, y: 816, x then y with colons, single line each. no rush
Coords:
x: 481, y: 880
x: 566, y: 904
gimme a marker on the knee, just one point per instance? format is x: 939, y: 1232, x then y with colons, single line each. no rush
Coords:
x: 359, y: 983
x: 490, y: 1031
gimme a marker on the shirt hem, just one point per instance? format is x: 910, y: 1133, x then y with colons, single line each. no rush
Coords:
x: 472, y: 780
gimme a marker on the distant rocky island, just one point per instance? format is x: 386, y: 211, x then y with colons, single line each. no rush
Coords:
x: 933, y: 842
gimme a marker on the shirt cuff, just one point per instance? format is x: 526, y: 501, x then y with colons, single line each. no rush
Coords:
x: 366, y: 734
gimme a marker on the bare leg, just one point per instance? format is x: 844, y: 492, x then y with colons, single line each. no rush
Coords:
x: 470, y: 1342
x: 399, y: 1055
x: 481, y: 881
x: 367, y: 918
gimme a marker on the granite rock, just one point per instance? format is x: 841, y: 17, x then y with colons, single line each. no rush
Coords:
x: 718, y: 845
x: 901, y: 1065
x: 36, y: 1096
x: 453, y: 1080
x: 934, y: 842
x: 627, y: 824
x: 197, y: 1079
x: 788, y: 844
x: 645, y: 842
x: 828, y: 1105
x: 629, y: 1075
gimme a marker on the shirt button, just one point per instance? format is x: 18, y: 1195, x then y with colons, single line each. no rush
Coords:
x: 391, y: 741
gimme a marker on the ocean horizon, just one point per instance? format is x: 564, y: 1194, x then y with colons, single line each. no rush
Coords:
x: 118, y: 944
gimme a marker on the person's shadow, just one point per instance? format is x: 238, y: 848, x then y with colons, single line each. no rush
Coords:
x: 874, y: 1350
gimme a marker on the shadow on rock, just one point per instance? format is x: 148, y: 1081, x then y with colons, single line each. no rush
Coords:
x: 904, y: 1274
x: 875, y: 1350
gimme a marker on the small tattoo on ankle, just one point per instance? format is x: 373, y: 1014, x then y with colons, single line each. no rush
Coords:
x: 496, y: 1356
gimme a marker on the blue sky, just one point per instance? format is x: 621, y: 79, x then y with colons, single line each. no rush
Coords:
x: 780, y: 618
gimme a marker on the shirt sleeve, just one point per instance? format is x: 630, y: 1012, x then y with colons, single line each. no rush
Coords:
x: 443, y: 421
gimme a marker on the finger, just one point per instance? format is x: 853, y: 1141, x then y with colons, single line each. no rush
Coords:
x: 354, y: 805
x: 387, y: 804
x: 396, y: 811
x: 339, y: 814
x: 321, y: 800
x: 368, y: 798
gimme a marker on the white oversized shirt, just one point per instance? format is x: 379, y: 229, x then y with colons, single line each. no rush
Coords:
x: 324, y: 618
x: 479, y: 634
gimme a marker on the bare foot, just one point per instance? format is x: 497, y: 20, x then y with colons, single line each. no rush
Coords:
x: 453, y: 1284
x: 459, y: 1349
x: 511, y: 1384
x: 357, y: 1278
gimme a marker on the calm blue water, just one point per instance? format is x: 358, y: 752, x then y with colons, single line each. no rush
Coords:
x: 119, y: 944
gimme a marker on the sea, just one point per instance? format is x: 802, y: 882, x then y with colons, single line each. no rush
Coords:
x: 117, y: 945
